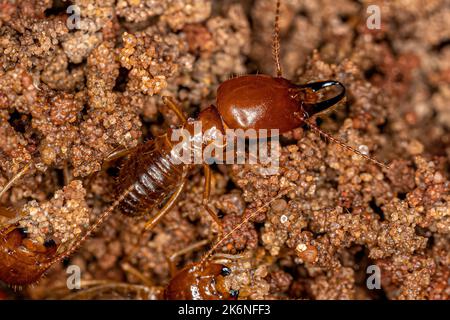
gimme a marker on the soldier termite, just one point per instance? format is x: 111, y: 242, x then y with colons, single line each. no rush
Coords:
x: 151, y: 176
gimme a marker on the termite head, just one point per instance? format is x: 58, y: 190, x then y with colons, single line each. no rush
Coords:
x: 265, y: 102
x: 200, y: 282
x: 23, y: 260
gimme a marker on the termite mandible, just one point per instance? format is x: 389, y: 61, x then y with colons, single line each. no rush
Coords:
x: 150, y: 175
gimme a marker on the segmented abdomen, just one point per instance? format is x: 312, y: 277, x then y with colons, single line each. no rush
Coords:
x: 152, y: 175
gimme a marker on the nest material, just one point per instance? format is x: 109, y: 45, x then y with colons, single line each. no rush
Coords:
x: 68, y: 98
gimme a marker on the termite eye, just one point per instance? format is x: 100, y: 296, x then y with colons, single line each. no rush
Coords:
x: 49, y: 243
x: 225, y: 271
x: 23, y: 232
x: 234, y: 293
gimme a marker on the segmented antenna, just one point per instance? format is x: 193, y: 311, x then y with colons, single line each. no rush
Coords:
x: 276, y: 40
x: 316, y: 129
x: 281, y: 194
x: 100, y: 220
x: 242, y: 223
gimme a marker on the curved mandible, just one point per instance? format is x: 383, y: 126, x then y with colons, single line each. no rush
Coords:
x: 321, y: 106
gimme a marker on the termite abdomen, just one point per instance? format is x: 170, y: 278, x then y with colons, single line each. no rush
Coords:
x: 151, y: 174
x: 23, y: 259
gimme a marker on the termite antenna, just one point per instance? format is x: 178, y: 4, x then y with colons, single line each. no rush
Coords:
x: 316, y: 129
x: 276, y: 40
x: 105, y: 215
x: 242, y: 223
x: 14, y: 179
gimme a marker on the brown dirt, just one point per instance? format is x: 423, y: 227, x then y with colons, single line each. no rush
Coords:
x: 68, y: 98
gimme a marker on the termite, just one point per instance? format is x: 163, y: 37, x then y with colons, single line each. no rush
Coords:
x: 195, y: 281
x: 198, y: 281
x: 151, y: 175
x: 203, y: 280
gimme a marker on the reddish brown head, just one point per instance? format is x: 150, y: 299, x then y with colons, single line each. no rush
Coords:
x: 265, y: 102
x: 23, y: 259
x: 200, y: 282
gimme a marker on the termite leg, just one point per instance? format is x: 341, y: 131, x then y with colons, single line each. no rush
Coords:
x: 60, y: 289
x: 169, y: 204
x: 172, y: 105
x: 206, y: 196
x: 224, y: 258
x: 67, y: 174
x: 4, y: 211
x: 7, y: 213
x: 118, y: 153
x: 150, y: 225
x: 89, y: 293
x: 126, y: 267
x: 14, y: 179
x: 192, y: 247
x: 115, y: 154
